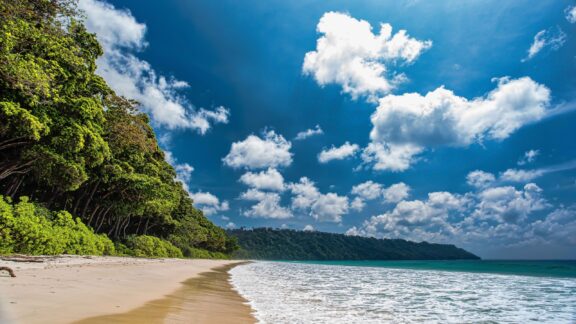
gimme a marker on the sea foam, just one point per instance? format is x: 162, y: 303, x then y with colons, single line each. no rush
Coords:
x: 282, y: 292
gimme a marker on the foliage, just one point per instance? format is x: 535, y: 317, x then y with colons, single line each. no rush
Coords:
x: 150, y: 246
x: 284, y: 244
x: 31, y: 229
x: 70, y: 143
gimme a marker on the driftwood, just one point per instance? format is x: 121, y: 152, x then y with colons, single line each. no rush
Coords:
x: 10, y: 271
x: 17, y: 258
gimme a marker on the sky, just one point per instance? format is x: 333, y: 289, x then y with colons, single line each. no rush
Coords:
x: 439, y: 121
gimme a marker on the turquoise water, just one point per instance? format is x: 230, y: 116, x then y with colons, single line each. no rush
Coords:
x: 544, y: 268
x: 439, y: 292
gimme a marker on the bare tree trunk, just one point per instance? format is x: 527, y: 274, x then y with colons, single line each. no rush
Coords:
x: 90, y: 198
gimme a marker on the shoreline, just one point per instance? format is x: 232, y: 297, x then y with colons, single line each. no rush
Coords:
x: 77, y: 289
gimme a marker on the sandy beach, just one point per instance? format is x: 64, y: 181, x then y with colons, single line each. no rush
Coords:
x: 75, y: 289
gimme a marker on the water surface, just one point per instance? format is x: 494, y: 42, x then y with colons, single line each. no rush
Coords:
x: 410, y: 291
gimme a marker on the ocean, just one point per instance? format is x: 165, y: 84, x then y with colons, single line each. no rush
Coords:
x: 409, y: 291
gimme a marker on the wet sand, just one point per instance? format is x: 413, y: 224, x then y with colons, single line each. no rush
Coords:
x: 207, y: 298
x: 74, y: 289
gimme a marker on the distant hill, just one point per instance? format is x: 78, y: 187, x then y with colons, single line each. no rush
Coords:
x: 285, y: 244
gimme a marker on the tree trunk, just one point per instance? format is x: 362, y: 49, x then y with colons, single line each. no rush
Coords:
x: 90, y: 198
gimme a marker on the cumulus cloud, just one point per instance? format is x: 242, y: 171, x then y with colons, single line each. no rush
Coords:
x: 412, y: 218
x: 328, y: 207
x: 308, y: 228
x: 558, y: 226
x: 208, y: 203
x: 371, y: 190
x: 404, y: 125
x: 367, y: 190
x: 571, y: 14
x: 446, y: 216
x: 390, y: 157
x: 349, y: 54
x: 122, y: 37
x: 529, y: 157
x: 507, y: 204
x: 357, y: 204
x: 396, y: 192
x: 338, y: 153
x: 551, y: 38
x: 272, y: 150
x: 523, y: 175
x: 267, y: 206
x: 183, y: 170
x: 515, y: 175
x: 230, y: 225
x: 309, y: 133
x: 480, y: 179
x: 269, y: 179
x: 493, y: 215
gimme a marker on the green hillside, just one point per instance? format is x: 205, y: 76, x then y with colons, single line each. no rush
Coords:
x: 284, y: 244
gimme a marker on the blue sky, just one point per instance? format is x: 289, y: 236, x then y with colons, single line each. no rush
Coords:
x: 457, y: 130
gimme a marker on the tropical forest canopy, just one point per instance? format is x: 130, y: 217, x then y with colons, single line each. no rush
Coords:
x: 285, y: 244
x: 79, y: 163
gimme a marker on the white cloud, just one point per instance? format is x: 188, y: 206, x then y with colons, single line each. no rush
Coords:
x: 328, y: 207
x: 446, y: 216
x: 183, y: 170
x: 396, y: 192
x: 309, y: 133
x: 349, y: 54
x: 371, y: 190
x: 357, y: 204
x: 367, y: 190
x: 404, y: 125
x: 551, y: 38
x: 305, y: 193
x: 267, y: 206
x: 230, y: 225
x: 338, y: 153
x: 353, y: 231
x: 571, y: 14
x: 269, y: 179
x: 416, y: 219
x: 386, y: 156
x: 273, y: 150
x: 121, y: 36
x: 558, y: 226
x: 208, y: 203
x: 515, y: 175
x: 507, y: 204
x: 529, y: 157
x: 480, y: 179
x: 498, y: 216
x: 308, y: 228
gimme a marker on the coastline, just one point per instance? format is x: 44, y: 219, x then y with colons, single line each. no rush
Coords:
x: 76, y: 289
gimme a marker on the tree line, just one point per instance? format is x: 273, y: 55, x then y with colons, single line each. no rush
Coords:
x: 68, y: 142
x: 286, y: 244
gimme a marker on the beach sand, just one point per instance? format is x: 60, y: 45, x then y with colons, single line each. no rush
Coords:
x: 74, y: 289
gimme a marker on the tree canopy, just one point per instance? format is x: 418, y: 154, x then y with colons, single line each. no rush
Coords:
x: 285, y: 244
x: 68, y: 142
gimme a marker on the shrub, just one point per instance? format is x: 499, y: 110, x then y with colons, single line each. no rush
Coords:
x: 195, y: 253
x: 150, y: 246
x: 31, y: 229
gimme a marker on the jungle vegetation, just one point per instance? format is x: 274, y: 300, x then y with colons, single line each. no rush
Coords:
x: 80, y: 167
x: 286, y: 244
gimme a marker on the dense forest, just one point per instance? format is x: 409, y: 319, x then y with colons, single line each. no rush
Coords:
x: 80, y: 166
x: 285, y: 244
